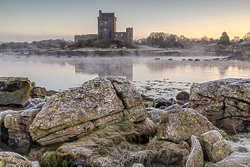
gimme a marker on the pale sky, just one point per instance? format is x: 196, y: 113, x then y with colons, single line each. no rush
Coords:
x: 34, y: 20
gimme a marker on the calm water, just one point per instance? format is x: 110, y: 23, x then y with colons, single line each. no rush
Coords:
x: 152, y: 77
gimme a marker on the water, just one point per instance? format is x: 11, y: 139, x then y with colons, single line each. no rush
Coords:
x: 155, y: 78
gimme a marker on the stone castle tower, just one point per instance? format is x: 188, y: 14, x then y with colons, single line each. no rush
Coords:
x: 107, y: 30
x: 106, y: 25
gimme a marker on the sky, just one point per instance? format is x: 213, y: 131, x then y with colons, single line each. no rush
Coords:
x: 34, y: 20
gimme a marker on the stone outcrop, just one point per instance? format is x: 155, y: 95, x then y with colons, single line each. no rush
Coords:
x: 14, y: 91
x: 226, y: 103
x: 214, y: 147
x: 196, y: 158
x: 78, y: 111
x: 13, y: 159
x: 180, y: 124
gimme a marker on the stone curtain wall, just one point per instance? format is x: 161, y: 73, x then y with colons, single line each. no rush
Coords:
x: 86, y: 37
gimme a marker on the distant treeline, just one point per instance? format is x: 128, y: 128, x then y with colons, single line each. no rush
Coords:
x: 166, y: 40
x: 44, y: 44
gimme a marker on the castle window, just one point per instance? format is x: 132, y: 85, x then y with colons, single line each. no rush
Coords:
x: 105, y: 22
x: 104, y: 29
x: 121, y: 35
x: 116, y: 35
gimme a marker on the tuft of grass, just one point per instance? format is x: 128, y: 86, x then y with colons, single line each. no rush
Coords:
x: 49, y: 159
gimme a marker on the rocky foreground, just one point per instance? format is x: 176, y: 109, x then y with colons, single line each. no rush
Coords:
x: 104, y: 122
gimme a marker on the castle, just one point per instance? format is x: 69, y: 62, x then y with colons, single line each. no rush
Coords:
x: 107, y: 30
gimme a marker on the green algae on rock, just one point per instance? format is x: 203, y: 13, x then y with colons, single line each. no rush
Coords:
x: 14, y: 90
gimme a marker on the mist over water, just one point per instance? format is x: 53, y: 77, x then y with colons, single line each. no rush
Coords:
x: 156, y: 78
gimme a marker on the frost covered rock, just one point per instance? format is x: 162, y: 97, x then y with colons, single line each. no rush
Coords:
x: 214, y: 147
x: 78, y: 111
x: 14, y: 90
x: 180, y: 124
x: 226, y: 103
x: 195, y: 159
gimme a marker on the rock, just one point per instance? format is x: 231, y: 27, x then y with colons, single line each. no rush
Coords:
x: 145, y: 104
x: 162, y: 107
x: 19, y: 141
x: 180, y: 124
x: 4, y: 131
x: 213, y: 145
x: 196, y: 155
x: 78, y: 163
x: 155, y: 114
x: 144, y: 97
x: 137, y: 165
x: 17, y: 124
x: 162, y: 102
x: 135, y: 114
x: 225, y: 103
x: 50, y: 92
x: 13, y: 159
x: 235, y: 160
x: 21, y: 120
x: 35, y: 164
x: 38, y: 92
x: 32, y: 103
x: 169, y: 154
x: 240, y: 155
x: 183, y: 96
x: 14, y: 90
x: 76, y: 112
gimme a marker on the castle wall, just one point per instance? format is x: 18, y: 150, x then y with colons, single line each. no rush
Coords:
x: 120, y: 36
x: 86, y: 37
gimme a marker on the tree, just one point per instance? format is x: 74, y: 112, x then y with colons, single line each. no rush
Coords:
x: 236, y: 39
x: 224, y: 39
x: 247, y: 36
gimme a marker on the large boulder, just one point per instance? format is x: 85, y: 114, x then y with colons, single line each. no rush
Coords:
x: 180, y: 124
x: 13, y: 159
x: 78, y: 111
x: 214, y: 147
x: 14, y: 90
x: 196, y: 157
x: 226, y: 103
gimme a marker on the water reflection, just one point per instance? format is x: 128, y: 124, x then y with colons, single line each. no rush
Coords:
x: 62, y: 72
x: 106, y: 67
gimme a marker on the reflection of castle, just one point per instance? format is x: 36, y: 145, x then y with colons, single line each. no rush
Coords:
x: 107, y: 30
x: 107, y: 67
